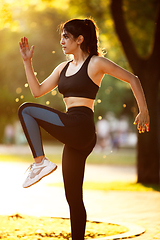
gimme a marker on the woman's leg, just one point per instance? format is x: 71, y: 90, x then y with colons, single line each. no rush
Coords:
x: 32, y: 116
x: 67, y: 129
x: 73, y: 166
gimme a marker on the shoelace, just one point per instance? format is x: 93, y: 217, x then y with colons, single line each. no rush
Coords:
x: 29, y: 168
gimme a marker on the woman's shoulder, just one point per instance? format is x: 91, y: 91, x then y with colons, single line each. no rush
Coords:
x: 61, y: 66
x: 97, y: 62
x: 98, y: 59
x: 100, y: 63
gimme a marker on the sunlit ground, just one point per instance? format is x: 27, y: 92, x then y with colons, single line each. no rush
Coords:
x: 110, y: 192
x: 17, y: 226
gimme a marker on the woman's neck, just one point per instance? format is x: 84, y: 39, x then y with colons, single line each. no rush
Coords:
x: 79, y: 58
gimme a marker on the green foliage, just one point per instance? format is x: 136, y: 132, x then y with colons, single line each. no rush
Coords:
x: 114, y: 96
x: 140, y: 18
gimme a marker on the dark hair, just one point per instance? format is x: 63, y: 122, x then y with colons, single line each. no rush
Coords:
x: 88, y: 29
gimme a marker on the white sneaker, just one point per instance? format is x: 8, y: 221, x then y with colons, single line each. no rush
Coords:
x: 38, y: 171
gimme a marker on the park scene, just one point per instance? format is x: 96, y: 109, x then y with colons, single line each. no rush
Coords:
x: 122, y: 173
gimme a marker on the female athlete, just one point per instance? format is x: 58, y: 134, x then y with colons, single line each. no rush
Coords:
x: 78, y: 80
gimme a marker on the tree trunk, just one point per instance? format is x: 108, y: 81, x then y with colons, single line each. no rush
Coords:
x: 148, y: 71
x: 148, y: 144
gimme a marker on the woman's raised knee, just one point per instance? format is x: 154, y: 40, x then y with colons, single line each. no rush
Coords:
x: 24, y: 106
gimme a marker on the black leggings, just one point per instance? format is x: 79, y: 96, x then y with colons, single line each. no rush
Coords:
x: 76, y: 130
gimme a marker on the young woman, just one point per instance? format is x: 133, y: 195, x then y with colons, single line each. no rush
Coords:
x: 78, y: 80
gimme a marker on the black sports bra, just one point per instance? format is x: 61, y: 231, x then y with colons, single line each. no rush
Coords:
x: 78, y: 84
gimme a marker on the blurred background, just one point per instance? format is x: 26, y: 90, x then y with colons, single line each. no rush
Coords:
x: 115, y: 105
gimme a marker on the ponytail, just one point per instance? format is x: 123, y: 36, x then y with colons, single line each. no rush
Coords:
x: 92, y: 38
x: 88, y: 29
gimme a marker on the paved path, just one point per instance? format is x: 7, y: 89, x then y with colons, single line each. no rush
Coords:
x: 141, y: 208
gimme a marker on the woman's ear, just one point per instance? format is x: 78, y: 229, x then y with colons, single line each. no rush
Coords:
x: 80, y: 39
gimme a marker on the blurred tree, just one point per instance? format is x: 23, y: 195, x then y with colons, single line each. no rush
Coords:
x: 148, y: 70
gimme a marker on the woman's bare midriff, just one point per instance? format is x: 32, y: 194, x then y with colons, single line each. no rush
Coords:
x: 78, y: 101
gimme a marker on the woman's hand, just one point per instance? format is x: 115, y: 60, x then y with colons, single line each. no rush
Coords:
x: 25, y: 51
x: 142, y: 120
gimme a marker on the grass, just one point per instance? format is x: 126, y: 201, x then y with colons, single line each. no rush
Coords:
x: 120, y: 157
x: 37, y: 228
x: 116, y: 186
x: 25, y: 158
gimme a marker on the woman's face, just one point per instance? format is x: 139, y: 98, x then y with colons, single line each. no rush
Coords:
x: 68, y: 42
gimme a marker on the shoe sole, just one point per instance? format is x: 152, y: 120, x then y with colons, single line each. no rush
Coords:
x: 42, y: 177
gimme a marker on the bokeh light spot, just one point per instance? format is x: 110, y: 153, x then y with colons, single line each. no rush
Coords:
x: 54, y: 92
x: 100, y: 118
x: 18, y: 90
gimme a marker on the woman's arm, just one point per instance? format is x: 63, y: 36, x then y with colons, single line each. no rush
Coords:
x: 108, y: 67
x: 49, y: 83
